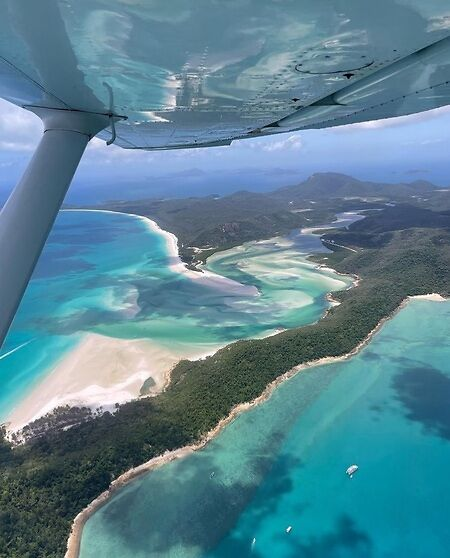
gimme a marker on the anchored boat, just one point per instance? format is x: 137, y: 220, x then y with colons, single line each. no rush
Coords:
x: 352, y: 470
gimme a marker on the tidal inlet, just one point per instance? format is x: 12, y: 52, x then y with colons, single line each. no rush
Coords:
x: 111, y: 309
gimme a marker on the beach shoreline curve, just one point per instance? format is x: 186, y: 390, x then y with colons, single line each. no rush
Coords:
x: 74, y: 540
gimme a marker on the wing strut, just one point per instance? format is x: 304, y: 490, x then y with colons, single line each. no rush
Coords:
x: 29, y: 213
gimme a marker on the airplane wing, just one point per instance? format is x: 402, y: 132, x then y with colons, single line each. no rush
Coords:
x: 190, y: 73
x: 173, y: 74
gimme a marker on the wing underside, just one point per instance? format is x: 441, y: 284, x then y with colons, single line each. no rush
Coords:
x: 193, y: 74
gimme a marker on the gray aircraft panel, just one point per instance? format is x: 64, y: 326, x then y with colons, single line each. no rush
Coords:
x: 188, y: 74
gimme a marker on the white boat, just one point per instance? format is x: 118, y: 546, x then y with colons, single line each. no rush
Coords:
x: 289, y: 529
x: 352, y: 470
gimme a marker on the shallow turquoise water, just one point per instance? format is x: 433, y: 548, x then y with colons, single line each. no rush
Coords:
x: 110, y: 274
x: 81, y: 281
x: 283, y: 463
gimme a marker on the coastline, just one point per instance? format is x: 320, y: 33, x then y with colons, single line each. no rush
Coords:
x: 176, y: 264
x: 101, y: 371
x: 74, y: 540
x: 84, y: 376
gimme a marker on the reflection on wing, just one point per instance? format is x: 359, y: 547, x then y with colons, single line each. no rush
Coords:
x: 190, y: 74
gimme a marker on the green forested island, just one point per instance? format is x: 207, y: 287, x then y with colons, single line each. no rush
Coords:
x: 397, y: 251
x: 205, y: 225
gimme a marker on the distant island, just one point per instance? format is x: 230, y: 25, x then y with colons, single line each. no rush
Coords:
x: 207, y: 224
x: 401, y: 249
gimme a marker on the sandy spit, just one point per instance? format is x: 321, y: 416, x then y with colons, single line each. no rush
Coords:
x: 177, y: 265
x: 101, y: 371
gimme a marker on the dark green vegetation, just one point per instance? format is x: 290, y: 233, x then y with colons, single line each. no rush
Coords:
x: 322, y: 186
x: 213, y: 222
x: 47, y: 481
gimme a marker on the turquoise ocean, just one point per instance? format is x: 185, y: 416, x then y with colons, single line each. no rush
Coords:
x: 283, y: 464
x: 111, y: 274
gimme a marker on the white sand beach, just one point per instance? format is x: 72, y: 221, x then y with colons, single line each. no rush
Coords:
x: 176, y: 264
x: 73, y: 542
x: 209, y: 278
x: 432, y: 296
x: 102, y: 371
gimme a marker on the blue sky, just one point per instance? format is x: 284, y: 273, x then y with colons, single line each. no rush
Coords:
x: 395, y: 150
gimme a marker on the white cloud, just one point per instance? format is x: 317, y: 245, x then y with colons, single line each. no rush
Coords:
x: 291, y: 143
x: 20, y: 129
x: 439, y: 23
x: 415, y: 118
x: 429, y: 141
x: 99, y: 153
x: 278, y: 143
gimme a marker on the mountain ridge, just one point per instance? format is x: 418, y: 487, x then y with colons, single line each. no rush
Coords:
x: 336, y: 185
x: 205, y: 224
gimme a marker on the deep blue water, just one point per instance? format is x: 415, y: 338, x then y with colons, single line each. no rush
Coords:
x: 283, y: 464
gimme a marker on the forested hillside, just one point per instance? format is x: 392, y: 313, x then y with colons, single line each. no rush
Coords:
x: 47, y: 481
x: 204, y: 225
